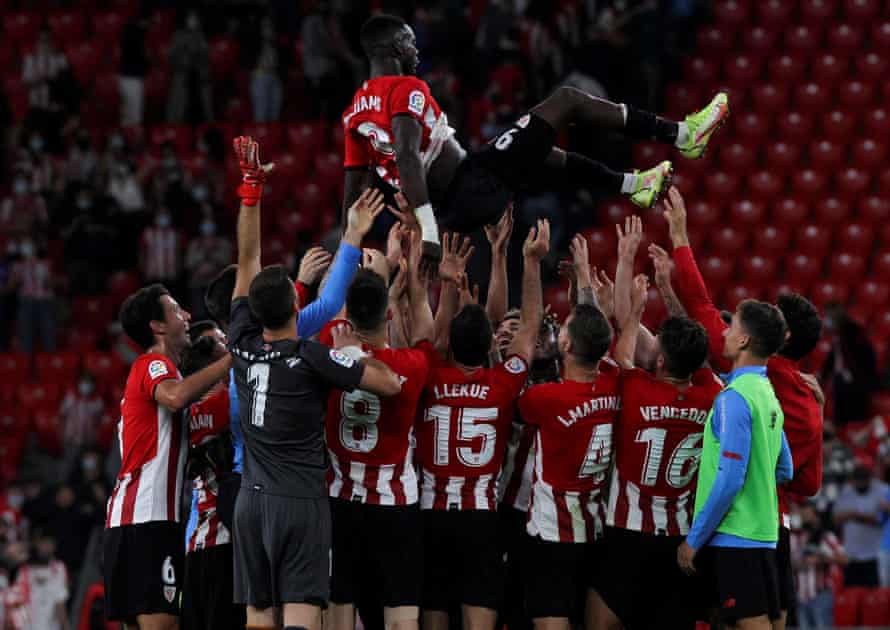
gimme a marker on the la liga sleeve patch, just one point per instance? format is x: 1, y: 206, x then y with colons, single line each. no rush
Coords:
x: 515, y: 365
x: 416, y: 102
x: 341, y: 359
x: 157, y: 369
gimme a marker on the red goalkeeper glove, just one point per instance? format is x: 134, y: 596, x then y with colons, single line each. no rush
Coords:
x: 253, y: 174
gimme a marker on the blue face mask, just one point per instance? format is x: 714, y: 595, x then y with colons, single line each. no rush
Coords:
x: 20, y: 187
x: 36, y: 144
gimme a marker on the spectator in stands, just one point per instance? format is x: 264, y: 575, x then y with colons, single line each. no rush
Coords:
x: 32, y: 277
x: 189, y: 60
x: 7, y: 295
x: 80, y: 414
x: 266, y: 91
x: 859, y: 511
x: 851, y: 367
x: 35, y: 161
x: 815, y: 552
x: 324, y: 52
x: 90, y: 486
x: 133, y: 68
x: 40, y: 68
x: 161, y: 251
x: 125, y: 189
x: 23, y: 213
x: 40, y: 590
x: 82, y: 163
x: 206, y: 255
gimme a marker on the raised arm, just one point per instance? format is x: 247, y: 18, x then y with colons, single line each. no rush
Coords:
x: 176, y: 395
x: 626, y: 346
x: 535, y: 248
x: 422, y: 324
x: 664, y: 266
x: 498, y: 236
x: 628, y: 243
x: 377, y: 377
x: 457, y: 251
x: 355, y: 180
x: 253, y: 174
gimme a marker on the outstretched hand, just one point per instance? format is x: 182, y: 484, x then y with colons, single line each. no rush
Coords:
x: 498, y: 234
x: 639, y: 295
x: 430, y: 253
x: 253, y: 172
x: 361, y: 215
x: 537, y: 243
x: 604, y: 289
x: 675, y: 214
x: 457, y: 252
x: 313, y: 265
x: 629, y: 239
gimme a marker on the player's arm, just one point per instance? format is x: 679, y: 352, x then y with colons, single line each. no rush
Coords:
x: 355, y: 180
x: 625, y: 347
x: 784, y: 465
x: 423, y: 327
x: 498, y: 236
x: 342, y: 367
x: 176, y: 395
x: 253, y: 174
x: 457, y: 251
x: 535, y: 248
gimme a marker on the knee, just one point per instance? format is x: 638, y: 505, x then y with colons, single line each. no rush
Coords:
x: 567, y: 96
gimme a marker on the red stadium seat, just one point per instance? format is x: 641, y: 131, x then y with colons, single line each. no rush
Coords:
x: 737, y: 293
x: 742, y: 70
x: 602, y: 243
x: 802, y: 270
x: 831, y: 210
x: 685, y: 183
x: 752, y: 127
x: 758, y: 270
x: 730, y: 12
x: 874, y: 210
x: 813, y: 240
x: 738, y: 157
x: 759, y: 40
x: 829, y: 67
x: 775, y: 289
x: 616, y: 210
x: 557, y: 297
x: 701, y: 70
x: 682, y: 98
x: 645, y: 154
x: 826, y: 155
x: 775, y: 14
x: 716, y: 270
x: 782, y: 157
x: 771, y: 240
x: 846, y: 267
x: 869, y: 154
x: 298, y: 221
x: 881, y: 264
x: 817, y: 11
x: 15, y: 368
x: 329, y: 170
x: 872, y: 67
x: 94, y: 313
x: 873, y: 294
x: 728, y: 241
x: 787, y: 69
x: 808, y: 183
x: 224, y: 53
x: 81, y: 341
x: 107, y: 26
x: 33, y: 396
x: 813, y: 97
x: 845, y: 39
x: 179, y: 135
x: 803, y: 39
x: 59, y: 368
x: 107, y: 367
x: 721, y: 185
x: 795, y: 127
x: 838, y: 125
x: 67, y: 26
x: 311, y: 197
x: 824, y: 292
x: 875, y: 608
x: 856, y: 95
x: 851, y: 182
x: 715, y: 39
x: 21, y: 26
x: 48, y: 430
x: 308, y: 136
x: 877, y: 123
x: 291, y: 166
x: 83, y: 58
x: 880, y: 35
x: 269, y: 135
x: 765, y: 186
x: 121, y: 284
x: 884, y: 182
x: 861, y: 11
x: 702, y: 214
x: 769, y: 98
x: 790, y: 211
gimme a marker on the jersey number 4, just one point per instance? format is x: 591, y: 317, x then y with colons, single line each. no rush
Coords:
x: 599, y: 453
x: 682, y: 464
x: 471, y: 423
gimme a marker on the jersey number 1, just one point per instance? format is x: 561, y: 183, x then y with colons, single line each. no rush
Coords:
x: 258, y: 379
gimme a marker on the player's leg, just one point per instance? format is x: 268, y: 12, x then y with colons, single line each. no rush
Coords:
x: 480, y: 574
x: 252, y: 563
x: 435, y: 620
x: 598, y: 615
x: 570, y: 105
x: 304, y: 616
x: 396, y: 558
x: 761, y: 622
x: 345, y: 555
x: 262, y: 618
x: 157, y: 621
x: 478, y: 617
x: 303, y: 551
x: 440, y: 547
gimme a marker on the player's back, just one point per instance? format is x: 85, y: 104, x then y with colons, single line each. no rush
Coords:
x: 462, y: 433
x: 658, y: 446
x: 369, y: 437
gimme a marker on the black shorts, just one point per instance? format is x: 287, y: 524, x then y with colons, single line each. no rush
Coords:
x: 513, y: 612
x: 489, y: 179
x: 633, y: 567
x: 282, y: 550
x: 207, y: 592
x: 555, y: 577
x: 741, y: 582
x: 376, y: 548
x: 142, y: 566
x: 787, y: 593
x: 462, y: 561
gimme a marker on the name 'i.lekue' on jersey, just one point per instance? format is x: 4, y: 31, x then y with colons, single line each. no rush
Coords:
x: 364, y: 103
x: 465, y: 390
x: 651, y: 413
x: 590, y: 407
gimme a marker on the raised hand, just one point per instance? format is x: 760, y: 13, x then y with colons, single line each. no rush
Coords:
x: 315, y: 262
x: 639, y: 295
x: 362, y: 213
x: 404, y: 213
x: 664, y: 266
x: 580, y: 260
x: 343, y: 336
x: 675, y: 214
x: 629, y: 240
x: 394, y: 249
x: 464, y: 294
x: 604, y: 289
x: 253, y: 172
x: 399, y: 281
x: 456, y: 254
x: 537, y: 243
x: 431, y: 253
x: 498, y: 235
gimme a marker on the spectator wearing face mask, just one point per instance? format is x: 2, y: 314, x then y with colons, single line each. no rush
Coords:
x: 816, y: 553
x: 39, y: 594
x: 80, y: 414
x: 860, y: 511
x: 82, y: 162
x: 207, y: 254
x: 161, y: 250
x: 41, y: 67
x: 36, y: 161
x: 124, y: 188
x: 32, y: 278
x: 23, y: 213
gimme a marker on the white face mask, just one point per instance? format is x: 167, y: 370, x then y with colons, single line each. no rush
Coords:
x: 27, y: 250
x: 15, y: 500
x: 85, y: 388
x: 163, y: 220
x: 200, y: 193
x: 20, y: 187
x: 208, y: 228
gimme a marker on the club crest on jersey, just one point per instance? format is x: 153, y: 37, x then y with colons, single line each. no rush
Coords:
x: 341, y: 359
x: 169, y: 593
x: 522, y: 123
x: 157, y: 369
x: 515, y: 365
x: 416, y: 102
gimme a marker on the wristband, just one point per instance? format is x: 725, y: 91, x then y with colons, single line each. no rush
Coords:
x: 429, y: 231
x: 250, y: 192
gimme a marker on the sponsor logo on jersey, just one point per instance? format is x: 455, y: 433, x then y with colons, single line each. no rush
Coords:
x: 515, y: 365
x: 416, y: 102
x: 341, y: 359
x: 522, y: 123
x: 157, y: 369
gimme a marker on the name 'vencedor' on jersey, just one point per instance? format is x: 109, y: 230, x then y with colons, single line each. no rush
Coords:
x: 283, y: 388
x: 207, y: 418
x: 463, y: 431
x: 367, y: 124
x: 573, y: 454
x: 659, y: 440
x: 153, y: 443
x: 370, y: 438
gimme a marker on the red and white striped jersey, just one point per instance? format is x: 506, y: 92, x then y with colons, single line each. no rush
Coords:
x: 207, y: 419
x: 573, y: 453
x: 658, y: 446
x: 370, y: 438
x: 34, y: 278
x: 32, y: 601
x: 153, y: 449
x: 814, y: 579
x: 160, y: 253
x: 462, y: 434
x: 515, y: 484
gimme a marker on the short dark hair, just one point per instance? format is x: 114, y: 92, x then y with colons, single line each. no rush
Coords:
x: 803, y: 323
x: 590, y: 333
x: 271, y: 297
x: 684, y: 344
x: 378, y: 31
x: 198, y: 355
x: 765, y: 325
x: 218, y: 297
x: 197, y: 329
x: 367, y: 301
x: 139, y: 310
x: 470, y: 336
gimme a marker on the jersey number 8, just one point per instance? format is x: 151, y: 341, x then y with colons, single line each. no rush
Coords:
x: 360, y: 411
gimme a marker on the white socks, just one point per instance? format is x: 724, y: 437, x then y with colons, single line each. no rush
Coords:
x: 429, y: 230
x: 682, y: 135
x: 629, y: 183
